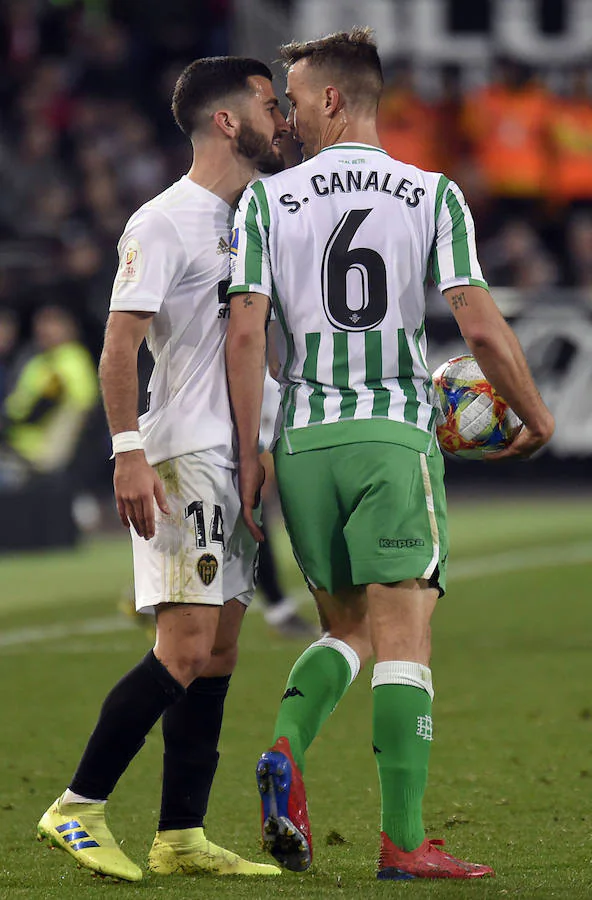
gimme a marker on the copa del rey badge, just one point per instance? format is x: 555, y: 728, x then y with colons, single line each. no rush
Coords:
x: 130, y: 265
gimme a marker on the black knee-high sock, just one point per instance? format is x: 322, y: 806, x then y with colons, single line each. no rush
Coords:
x: 127, y: 715
x: 191, y: 729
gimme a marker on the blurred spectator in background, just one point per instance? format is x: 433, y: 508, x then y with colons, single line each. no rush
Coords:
x: 579, y: 253
x: 571, y: 184
x: 517, y: 257
x: 450, y: 138
x: 407, y: 126
x: 571, y: 143
x: 507, y: 126
x: 9, y: 333
x: 54, y: 393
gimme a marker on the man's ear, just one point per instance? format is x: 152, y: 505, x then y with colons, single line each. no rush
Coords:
x: 227, y: 122
x: 333, y: 101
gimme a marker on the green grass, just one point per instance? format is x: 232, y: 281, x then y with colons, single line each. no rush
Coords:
x: 511, y: 772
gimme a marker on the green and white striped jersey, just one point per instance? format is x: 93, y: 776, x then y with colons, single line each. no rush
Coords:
x: 342, y: 245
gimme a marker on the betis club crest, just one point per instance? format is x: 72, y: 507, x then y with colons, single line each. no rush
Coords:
x: 207, y: 566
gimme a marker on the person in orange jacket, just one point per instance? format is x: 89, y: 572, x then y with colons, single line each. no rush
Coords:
x: 407, y: 125
x: 571, y: 142
x: 507, y: 126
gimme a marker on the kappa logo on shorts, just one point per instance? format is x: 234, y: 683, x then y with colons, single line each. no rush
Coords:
x: 207, y: 566
x: 400, y: 543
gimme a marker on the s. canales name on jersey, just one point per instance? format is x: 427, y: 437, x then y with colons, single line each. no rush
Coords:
x: 354, y: 181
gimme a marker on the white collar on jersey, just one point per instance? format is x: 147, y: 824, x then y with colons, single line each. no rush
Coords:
x: 353, y: 145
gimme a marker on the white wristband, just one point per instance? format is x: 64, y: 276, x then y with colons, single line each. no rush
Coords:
x: 126, y: 441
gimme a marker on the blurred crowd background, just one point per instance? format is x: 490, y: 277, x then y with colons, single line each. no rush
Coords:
x: 86, y: 136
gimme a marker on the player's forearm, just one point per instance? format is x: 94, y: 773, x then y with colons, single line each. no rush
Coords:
x: 245, y: 366
x: 118, y: 374
x: 502, y: 361
x: 497, y: 350
x: 118, y: 368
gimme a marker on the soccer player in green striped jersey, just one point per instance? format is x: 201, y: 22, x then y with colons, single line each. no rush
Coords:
x: 341, y: 247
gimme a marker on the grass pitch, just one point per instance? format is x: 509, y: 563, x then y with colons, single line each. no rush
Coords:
x: 511, y: 773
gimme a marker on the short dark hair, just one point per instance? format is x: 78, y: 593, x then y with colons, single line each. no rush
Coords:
x: 351, y: 57
x: 208, y: 80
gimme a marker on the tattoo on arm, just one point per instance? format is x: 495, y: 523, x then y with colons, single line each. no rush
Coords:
x: 458, y: 300
x: 247, y: 300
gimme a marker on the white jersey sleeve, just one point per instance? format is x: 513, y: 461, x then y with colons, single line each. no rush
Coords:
x: 152, y: 260
x: 249, y: 249
x: 454, y: 257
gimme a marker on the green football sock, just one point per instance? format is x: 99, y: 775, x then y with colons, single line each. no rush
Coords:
x: 315, y: 686
x: 402, y: 733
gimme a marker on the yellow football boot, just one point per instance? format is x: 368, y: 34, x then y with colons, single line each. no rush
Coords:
x: 188, y: 852
x: 81, y: 830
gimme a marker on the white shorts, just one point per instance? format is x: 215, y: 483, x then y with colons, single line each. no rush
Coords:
x: 202, y: 552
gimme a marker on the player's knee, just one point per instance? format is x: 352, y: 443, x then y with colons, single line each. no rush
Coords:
x: 185, y: 661
x: 345, y: 649
x: 192, y: 665
x: 360, y: 640
x: 354, y: 629
x: 223, y: 659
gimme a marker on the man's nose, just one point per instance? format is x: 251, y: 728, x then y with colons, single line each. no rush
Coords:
x: 283, y: 125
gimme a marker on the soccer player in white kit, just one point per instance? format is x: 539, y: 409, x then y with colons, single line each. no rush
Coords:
x: 341, y: 246
x: 175, y: 480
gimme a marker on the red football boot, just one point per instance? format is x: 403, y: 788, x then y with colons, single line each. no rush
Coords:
x: 428, y: 861
x: 284, y: 813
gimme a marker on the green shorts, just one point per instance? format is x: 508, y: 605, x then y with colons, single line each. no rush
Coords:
x: 366, y: 513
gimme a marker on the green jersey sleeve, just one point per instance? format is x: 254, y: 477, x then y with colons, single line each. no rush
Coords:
x: 454, y: 255
x: 249, y: 246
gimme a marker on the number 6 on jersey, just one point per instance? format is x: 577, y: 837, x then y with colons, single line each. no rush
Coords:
x: 338, y: 278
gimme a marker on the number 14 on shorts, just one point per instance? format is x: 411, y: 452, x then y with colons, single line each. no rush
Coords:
x: 216, y: 529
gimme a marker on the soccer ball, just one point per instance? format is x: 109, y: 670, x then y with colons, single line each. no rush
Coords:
x: 474, y: 420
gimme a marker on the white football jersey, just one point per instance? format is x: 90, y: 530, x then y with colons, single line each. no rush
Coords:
x: 174, y: 262
x: 343, y: 244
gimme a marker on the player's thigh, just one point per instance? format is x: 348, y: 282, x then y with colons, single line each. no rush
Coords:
x: 396, y: 526
x: 312, y: 516
x: 184, y: 561
x: 224, y: 653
